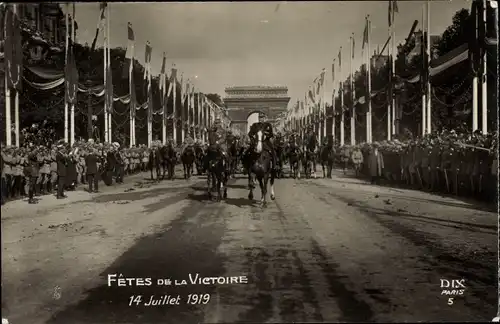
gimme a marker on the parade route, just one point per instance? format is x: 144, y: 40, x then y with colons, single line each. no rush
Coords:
x: 325, y: 250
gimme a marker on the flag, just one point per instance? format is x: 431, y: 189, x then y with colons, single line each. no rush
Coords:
x: 353, y: 41
x: 163, y: 79
x: 71, y: 78
x: 133, y: 99
x: 365, y: 34
x: 311, y: 95
x: 340, y: 57
x: 109, y: 88
x: 129, y: 55
x: 13, y: 49
x: 473, y: 37
x: 393, y: 8
x: 100, y: 22
x: 333, y: 72
x: 173, y: 79
x: 147, y: 61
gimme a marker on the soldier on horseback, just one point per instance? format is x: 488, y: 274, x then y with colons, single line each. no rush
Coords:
x: 267, y: 129
x: 310, y: 150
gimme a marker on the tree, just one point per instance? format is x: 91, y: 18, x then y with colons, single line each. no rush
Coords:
x: 216, y: 98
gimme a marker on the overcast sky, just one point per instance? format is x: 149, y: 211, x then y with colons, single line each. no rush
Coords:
x: 256, y: 43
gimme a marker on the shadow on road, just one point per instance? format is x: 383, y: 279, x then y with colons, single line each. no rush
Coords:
x: 240, y: 202
x: 185, y: 247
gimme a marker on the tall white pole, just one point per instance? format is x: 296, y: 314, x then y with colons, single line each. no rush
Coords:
x: 429, y: 89
x: 66, y: 107
x: 175, y: 110
x: 423, y: 77
x: 341, y: 84
x: 8, y: 109
x: 369, y: 91
x: 72, y: 107
x: 16, y: 103
x: 106, y: 103
x: 484, y: 78
x: 393, y: 77
x: 353, y: 107
x: 333, y: 105
x: 183, y: 130
x: 110, y: 115
x: 132, y: 103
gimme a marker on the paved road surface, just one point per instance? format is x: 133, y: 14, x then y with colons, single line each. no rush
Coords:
x: 325, y: 250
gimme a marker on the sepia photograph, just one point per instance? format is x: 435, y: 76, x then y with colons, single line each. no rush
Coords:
x: 249, y: 162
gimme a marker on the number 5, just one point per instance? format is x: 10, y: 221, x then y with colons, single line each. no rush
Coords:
x: 450, y: 301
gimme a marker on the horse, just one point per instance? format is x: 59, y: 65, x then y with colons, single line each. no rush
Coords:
x: 215, y: 163
x: 155, y: 162
x: 327, y: 158
x: 309, y: 157
x: 233, y: 152
x: 187, y: 158
x: 169, y: 158
x: 199, y: 156
x: 259, y: 162
x: 294, y: 154
x: 280, y: 155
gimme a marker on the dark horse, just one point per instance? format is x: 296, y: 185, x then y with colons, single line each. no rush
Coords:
x: 187, y: 158
x: 199, y: 155
x: 279, y: 146
x: 155, y: 162
x: 327, y: 157
x: 169, y: 158
x: 258, y: 161
x: 311, y: 144
x: 233, y: 145
x: 293, y: 153
x: 215, y: 164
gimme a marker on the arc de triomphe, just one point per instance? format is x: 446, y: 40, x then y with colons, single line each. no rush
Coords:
x: 245, y: 103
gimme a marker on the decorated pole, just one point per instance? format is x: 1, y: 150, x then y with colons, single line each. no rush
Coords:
x: 484, y: 76
x: 369, y: 134
x: 106, y: 101
x: 423, y: 78
x: 8, y: 109
x: 341, y: 84
x: 174, y: 113
x: 353, y: 98
x: 333, y: 99
x: 428, y: 60
x: 66, y: 107
x: 73, y: 61
x: 110, y: 96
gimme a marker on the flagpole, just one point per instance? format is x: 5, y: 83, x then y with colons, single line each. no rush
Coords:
x: 393, y: 83
x: 131, y: 104
x: 333, y: 101
x: 106, y: 103
x: 475, y: 80
x: 484, y: 77
x: 174, y: 113
x: 389, y: 101
x: 66, y: 107
x: 428, y: 50
x: 110, y: 113
x: 423, y: 78
x: 183, y: 131
x: 324, y: 104
x: 164, y: 102
x: 342, y: 135
x: 8, y: 109
x: 16, y: 98
x: 73, y: 61
x: 353, y: 105
x: 369, y: 91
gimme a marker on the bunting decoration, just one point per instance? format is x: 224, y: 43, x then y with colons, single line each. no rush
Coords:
x: 393, y: 8
x: 365, y: 34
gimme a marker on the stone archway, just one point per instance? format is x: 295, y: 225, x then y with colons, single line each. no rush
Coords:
x: 252, y: 119
x: 243, y: 102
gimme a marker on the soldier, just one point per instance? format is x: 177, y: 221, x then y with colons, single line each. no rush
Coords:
x: 119, y: 163
x: 357, y: 159
x: 345, y: 156
x: 53, y: 169
x: 91, y: 161
x: 268, y: 131
x: 45, y: 171
x: 32, y: 172
x: 62, y: 163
